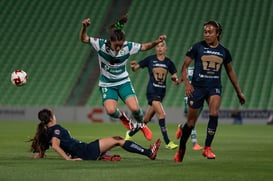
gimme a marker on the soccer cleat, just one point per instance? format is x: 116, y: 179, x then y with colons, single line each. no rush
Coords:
x: 125, y: 120
x: 135, y: 126
x: 154, y: 148
x: 207, y: 152
x: 171, y: 145
x: 127, y: 136
x: 178, y: 132
x: 146, y: 131
x: 196, y: 147
x: 113, y: 158
x: 179, y: 155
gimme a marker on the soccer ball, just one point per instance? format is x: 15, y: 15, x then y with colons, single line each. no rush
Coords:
x: 19, y: 77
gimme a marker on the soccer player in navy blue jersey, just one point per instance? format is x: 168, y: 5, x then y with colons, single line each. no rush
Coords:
x: 49, y: 133
x: 158, y: 66
x: 209, y: 56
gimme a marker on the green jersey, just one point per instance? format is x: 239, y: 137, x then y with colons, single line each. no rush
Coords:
x: 112, y: 64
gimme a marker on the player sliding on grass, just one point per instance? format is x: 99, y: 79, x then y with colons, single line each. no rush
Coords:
x: 158, y: 66
x: 209, y: 56
x: 49, y: 133
x: 114, y: 80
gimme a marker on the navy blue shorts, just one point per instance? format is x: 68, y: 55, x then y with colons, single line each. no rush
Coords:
x: 201, y: 94
x: 152, y: 98
x: 90, y: 151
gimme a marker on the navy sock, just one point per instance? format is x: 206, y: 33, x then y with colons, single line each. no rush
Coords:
x: 211, y: 129
x: 163, y: 130
x: 131, y: 146
x: 133, y: 132
x: 186, y: 132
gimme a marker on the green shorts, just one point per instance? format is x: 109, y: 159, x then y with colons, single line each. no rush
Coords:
x: 123, y: 91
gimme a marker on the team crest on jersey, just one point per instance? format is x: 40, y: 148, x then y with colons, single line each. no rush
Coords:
x: 57, y: 132
x: 122, y: 52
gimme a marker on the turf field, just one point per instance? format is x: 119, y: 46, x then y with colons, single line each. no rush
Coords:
x: 244, y: 152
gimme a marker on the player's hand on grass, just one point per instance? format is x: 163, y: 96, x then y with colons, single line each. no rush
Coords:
x: 75, y: 159
x: 37, y: 155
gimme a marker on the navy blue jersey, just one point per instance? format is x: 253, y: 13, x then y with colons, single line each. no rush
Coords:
x: 67, y: 143
x: 73, y: 147
x: 158, y: 71
x: 208, y: 64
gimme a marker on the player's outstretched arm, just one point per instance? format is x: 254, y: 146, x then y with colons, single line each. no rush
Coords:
x: 149, y: 45
x: 83, y: 34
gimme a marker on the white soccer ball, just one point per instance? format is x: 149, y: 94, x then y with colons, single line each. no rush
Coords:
x: 19, y: 77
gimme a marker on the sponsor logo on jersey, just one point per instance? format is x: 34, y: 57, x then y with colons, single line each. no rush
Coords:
x: 213, y: 52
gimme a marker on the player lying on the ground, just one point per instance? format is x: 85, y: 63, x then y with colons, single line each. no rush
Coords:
x: 49, y: 133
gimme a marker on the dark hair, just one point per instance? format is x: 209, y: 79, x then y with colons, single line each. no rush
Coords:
x: 217, y: 26
x: 40, y: 142
x: 116, y: 30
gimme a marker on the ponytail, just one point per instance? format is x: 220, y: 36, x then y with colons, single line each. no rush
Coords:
x: 40, y: 142
x: 116, y: 31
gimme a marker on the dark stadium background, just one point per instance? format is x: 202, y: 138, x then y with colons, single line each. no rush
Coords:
x: 42, y: 38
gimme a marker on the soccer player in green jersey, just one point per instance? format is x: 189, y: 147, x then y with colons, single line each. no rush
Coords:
x: 114, y: 81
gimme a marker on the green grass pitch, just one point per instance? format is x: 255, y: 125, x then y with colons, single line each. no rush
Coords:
x: 244, y: 152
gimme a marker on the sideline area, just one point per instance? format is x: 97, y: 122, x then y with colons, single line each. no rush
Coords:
x: 98, y: 115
